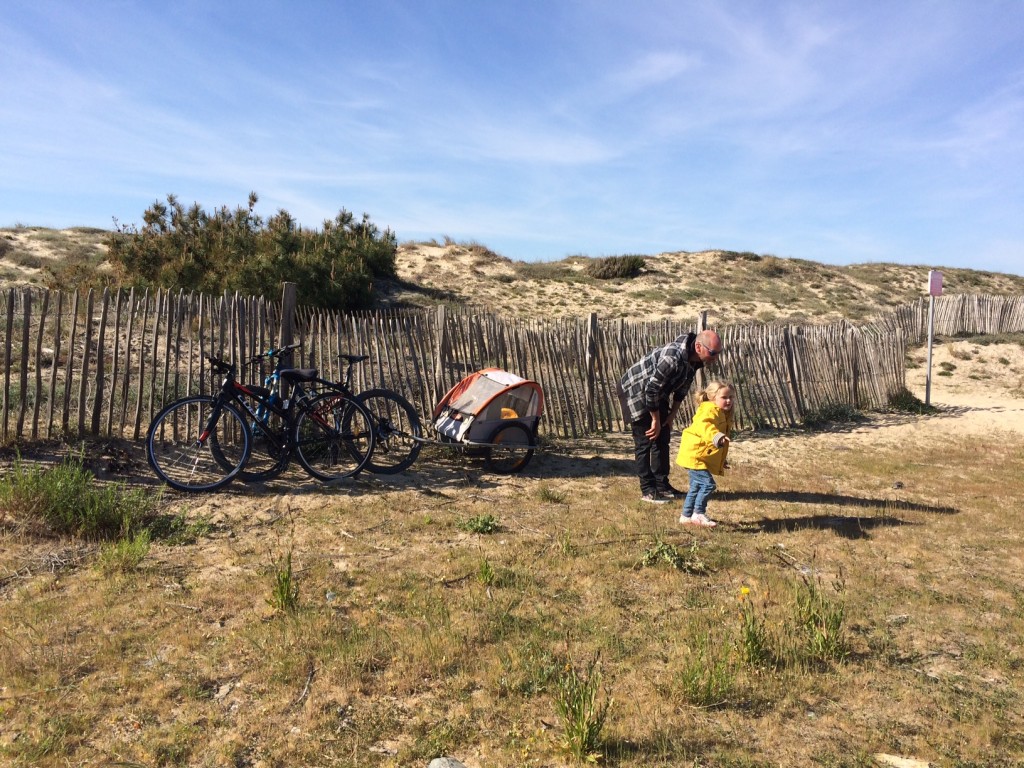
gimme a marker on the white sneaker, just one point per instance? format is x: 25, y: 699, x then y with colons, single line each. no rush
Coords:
x: 702, y: 520
x: 653, y: 498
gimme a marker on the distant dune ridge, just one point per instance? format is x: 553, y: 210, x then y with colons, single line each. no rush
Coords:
x: 733, y: 287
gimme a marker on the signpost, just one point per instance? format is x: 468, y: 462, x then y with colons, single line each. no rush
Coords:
x: 934, y: 289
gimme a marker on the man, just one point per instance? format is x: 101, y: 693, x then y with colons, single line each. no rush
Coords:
x: 644, y: 392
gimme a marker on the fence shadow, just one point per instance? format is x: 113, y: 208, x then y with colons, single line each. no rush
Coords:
x: 833, y: 499
x: 872, y: 420
x: 847, y: 526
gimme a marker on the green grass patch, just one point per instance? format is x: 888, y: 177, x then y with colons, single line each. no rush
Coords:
x: 66, y: 499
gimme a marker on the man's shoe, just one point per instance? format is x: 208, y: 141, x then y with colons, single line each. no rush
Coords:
x: 672, y: 493
x: 654, y: 498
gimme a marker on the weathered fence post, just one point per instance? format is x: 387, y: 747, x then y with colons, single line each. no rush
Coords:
x: 23, y: 379
x: 702, y: 325
x: 591, y: 361
x: 794, y: 382
x: 39, y: 365
x: 83, y: 386
x: 69, y: 367
x: 97, y: 407
x: 7, y: 356
x: 288, y: 301
x: 442, y: 353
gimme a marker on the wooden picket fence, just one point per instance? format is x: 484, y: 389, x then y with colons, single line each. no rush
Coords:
x: 960, y: 315
x: 104, y: 363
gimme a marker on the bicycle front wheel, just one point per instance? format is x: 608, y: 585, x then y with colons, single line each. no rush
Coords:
x: 397, y: 431
x: 333, y: 437
x: 180, y: 441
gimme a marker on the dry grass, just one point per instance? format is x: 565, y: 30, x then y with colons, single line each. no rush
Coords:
x: 436, y: 612
x: 414, y: 636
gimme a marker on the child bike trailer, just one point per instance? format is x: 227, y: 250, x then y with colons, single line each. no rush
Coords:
x: 495, y: 411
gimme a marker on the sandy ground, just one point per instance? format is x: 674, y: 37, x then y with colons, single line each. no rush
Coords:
x: 981, y: 398
x: 967, y: 405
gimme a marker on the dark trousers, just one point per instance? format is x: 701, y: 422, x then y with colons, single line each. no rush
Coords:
x: 652, y: 456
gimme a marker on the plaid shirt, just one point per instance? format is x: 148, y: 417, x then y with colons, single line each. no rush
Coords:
x: 665, y: 371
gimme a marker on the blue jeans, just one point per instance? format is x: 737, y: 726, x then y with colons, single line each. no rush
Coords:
x: 702, y: 485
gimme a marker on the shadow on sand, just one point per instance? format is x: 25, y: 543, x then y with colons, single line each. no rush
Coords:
x: 847, y: 526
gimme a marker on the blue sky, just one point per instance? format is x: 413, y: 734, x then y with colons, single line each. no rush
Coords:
x: 841, y: 132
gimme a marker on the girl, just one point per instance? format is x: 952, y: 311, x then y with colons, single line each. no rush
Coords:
x: 703, y: 449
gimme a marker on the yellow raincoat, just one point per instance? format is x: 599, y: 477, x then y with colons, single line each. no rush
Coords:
x: 697, y: 449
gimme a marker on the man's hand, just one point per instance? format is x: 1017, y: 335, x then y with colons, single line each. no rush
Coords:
x: 655, y: 428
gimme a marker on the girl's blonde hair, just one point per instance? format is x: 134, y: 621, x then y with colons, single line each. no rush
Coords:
x: 712, y: 389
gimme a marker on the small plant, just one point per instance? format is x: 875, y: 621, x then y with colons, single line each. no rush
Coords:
x: 486, y: 574
x: 124, y: 555
x: 284, y: 596
x: 819, y: 621
x: 708, y: 679
x: 565, y: 544
x: 479, y: 524
x: 663, y: 552
x: 755, y: 640
x: 583, y: 716
x: 549, y: 495
x: 176, y: 530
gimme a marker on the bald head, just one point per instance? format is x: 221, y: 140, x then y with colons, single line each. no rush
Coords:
x: 707, y: 346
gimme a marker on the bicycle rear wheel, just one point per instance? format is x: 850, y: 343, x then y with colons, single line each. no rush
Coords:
x: 180, y: 440
x: 397, y: 431
x: 333, y: 437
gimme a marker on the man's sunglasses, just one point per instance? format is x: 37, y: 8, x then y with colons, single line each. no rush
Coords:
x: 712, y: 352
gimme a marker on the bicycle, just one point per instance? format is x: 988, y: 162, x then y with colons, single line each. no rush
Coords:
x: 202, y: 442
x: 398, y: 432
x: 396, y: 425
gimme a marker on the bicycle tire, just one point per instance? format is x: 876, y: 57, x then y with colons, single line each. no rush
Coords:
x: 269, y: 456
x: 510, y: 450
x: 333, y: 437
x: 181, y: 455
x: 397, y: 430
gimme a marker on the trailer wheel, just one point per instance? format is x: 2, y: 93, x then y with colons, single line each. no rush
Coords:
x: 510, y: 450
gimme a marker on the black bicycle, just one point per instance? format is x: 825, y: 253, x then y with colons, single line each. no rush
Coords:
x: 202, y: 442
x: 398, y: 432
x: 397, y: 429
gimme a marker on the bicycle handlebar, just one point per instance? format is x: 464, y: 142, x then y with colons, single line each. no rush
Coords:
x: 220, y: 366
x: 274, y: 352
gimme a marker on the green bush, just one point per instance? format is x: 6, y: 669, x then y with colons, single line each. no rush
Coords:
x: 905, y: 401
x: 124, y: 555
x: 67, y: 500
x: 480, y: 524
x: 616, y: 266
x: 831, y: 413
x: 226, y: 250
